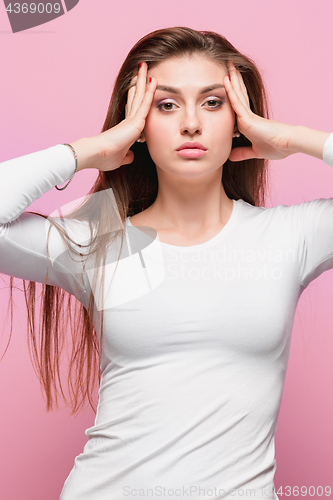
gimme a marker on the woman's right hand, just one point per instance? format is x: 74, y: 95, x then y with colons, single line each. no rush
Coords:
x: 110, y: 149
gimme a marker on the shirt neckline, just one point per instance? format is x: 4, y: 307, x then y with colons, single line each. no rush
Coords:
x: 221, y: 234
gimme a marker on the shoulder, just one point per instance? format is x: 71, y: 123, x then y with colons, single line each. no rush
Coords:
x: 284, y: 210
x: 295, y: 218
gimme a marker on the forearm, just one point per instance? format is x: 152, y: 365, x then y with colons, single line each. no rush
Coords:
x: 88, y: 153
x: 308, y: 141
x: 26, y: 178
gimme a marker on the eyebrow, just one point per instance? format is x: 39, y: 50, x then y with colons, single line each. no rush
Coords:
x: 204, y: 90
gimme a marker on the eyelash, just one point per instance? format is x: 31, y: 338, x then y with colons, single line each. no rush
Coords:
x: 209, y: 100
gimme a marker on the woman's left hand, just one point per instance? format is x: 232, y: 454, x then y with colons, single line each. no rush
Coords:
x: 270, y: 139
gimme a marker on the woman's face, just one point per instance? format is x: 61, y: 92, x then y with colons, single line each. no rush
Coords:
x: 191, y: 111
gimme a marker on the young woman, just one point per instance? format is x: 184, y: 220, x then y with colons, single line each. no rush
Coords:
x: 186, y: 285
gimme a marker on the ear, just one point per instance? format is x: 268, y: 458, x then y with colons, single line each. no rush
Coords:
x: 235, y: 131
x: 142, y: 137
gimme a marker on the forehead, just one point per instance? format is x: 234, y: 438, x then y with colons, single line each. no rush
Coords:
x: 191, y: 68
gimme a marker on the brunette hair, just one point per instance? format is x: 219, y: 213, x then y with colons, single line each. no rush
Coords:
x: 134, y: 187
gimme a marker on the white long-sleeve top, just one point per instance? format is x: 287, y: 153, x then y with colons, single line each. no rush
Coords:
x: 196, y: 339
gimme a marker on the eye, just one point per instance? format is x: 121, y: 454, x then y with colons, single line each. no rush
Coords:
x: 166, y: 106
x: 216, y: 103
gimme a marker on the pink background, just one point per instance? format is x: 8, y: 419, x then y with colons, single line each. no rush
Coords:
x: 55, y: 86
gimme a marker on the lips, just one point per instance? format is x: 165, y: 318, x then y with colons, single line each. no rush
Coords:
x: 191, y: 145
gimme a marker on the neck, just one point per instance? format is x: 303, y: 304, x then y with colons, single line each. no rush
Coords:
x: 191, y: 204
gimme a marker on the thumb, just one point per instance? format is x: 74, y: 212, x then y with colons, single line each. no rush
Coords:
x: 129, y: 157
x: 243, y: 153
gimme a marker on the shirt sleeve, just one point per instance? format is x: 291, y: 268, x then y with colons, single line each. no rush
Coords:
x: 314, y: 224
x: 24, y: 251
x: 328, y: 151
x: 316, y: 244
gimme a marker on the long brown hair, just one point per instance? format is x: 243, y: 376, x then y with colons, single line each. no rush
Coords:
x: 134, y: 188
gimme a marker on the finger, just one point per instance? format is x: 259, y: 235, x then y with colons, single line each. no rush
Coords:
x: 238, y: 106
x: 243, y: 87
x: 129, y: 157
x: 234, y: 78
x: 241, y: 154
x: 140, y: 88
x: 145, y: 104
x: 130, y: 96
x: 238, y: 84
x: 131, y: 92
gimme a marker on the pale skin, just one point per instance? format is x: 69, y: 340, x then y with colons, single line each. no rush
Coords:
x: 191, y: 205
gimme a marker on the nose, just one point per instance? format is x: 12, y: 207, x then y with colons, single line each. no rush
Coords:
x: 190, y: 122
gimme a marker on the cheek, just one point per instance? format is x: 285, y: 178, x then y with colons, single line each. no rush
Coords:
x: 220, y: 133
x: 225, y: 124
x: 155, y: 130
x: 228, y: 117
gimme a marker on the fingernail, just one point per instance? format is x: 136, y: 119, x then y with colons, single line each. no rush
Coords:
x: 229, y: 77
x: 140, y: 64
x: 149, y: 79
